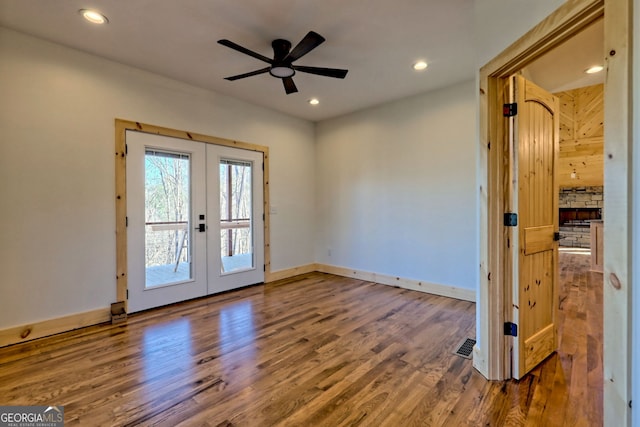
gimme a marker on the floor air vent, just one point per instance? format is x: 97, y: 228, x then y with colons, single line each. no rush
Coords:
x: 465, y: 348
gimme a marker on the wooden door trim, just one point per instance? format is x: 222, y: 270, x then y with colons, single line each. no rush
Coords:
x: 121, y: 127
x: 490, y: 356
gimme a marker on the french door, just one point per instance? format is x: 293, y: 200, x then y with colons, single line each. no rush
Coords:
x: 195, y: 223
x: 236, y: 240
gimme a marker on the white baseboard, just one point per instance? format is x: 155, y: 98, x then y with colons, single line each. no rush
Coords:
x: 415, y: 285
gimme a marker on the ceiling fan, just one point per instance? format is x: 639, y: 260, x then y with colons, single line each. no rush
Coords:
x: 281, y: 66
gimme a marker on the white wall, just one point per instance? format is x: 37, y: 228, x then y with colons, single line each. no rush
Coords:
x: 57, y: 215
x: 499, y: 23
x: 396, y: 189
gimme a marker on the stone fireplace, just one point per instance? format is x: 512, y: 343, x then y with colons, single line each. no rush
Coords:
x: 578, y: 206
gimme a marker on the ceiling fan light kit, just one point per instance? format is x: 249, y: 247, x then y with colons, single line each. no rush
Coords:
x: 281, y: 65
x: 282, y: 72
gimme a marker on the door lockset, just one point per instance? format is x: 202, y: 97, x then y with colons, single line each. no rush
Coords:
x: 201, y: 228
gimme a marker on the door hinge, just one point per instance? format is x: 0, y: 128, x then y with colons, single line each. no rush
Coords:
x: 126, y: 221
x: 126, y: 149
x: 263, y: 217
x: 510, y: 219
x: 127, y: 293
x: 556, y: 236
x: 510, y: 329
x: 510, y: 110
x: 264, y: 267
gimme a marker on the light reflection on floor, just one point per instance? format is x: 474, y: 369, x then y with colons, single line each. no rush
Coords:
x: 166, y: 342
x: 237, y: 334
x: 575, y: 251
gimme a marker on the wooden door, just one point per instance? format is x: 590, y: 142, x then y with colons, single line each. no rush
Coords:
x: 535, y: 297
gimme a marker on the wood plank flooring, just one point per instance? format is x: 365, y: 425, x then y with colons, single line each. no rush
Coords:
x: 315, y: 350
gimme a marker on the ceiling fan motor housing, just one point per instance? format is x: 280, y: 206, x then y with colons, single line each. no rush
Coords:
x: 280, y: 67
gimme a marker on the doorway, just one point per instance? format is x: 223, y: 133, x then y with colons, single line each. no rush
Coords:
x: 568, y: 82
x: 195, y: 217
x: 569, y: 89
x: 489, y: 355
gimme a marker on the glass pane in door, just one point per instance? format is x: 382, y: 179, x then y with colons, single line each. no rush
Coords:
x: 167, y: 211
x: 236, y: 240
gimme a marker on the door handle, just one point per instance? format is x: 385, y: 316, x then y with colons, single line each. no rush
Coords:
x: 201, y: 228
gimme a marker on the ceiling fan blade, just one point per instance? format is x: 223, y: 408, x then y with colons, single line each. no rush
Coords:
x: 244, y: 50
x: 249, y: 74
x: 306, y: 45
x: 289, y: 85
x: 328, y: 72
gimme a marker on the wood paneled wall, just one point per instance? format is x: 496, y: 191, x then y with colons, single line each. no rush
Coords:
x: 581, y: 136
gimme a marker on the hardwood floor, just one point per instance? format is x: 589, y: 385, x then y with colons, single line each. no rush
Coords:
x: 316, y: 350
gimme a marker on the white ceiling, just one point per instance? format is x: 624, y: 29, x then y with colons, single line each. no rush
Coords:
x: 376, y: 40
x: 563, y: 68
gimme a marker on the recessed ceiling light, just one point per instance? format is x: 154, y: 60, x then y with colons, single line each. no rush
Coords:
x: 314, y: 101
x: 93, y: 16
x: 594, y: 69
x: 420, y: 65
